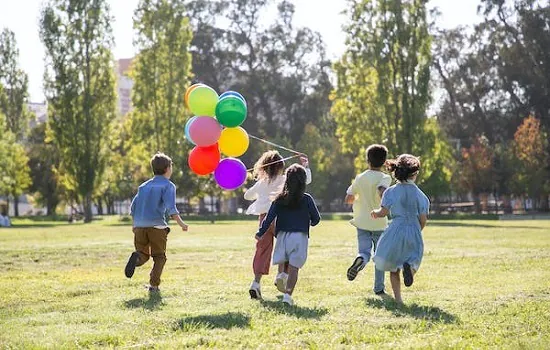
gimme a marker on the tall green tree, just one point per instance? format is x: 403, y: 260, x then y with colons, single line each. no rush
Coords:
x: 383, y: 78
x: 43, y: 163
x: 15, y: 86
x: 162, y: 73
x: 13, y: 99
x: 80, y: 88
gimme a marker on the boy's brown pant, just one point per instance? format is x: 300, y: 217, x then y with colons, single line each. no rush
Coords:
x: 151, y: 242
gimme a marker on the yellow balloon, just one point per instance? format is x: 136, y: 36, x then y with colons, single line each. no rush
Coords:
x: 234, y: 142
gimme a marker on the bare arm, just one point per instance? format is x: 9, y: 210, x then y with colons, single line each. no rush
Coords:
x: 423, y: 218
x: 349, y: 199
x: 379, y: 213
x: 381, y: 191
x: 180, y: 222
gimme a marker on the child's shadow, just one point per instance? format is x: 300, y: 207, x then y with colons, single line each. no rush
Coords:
x: 222, y: 321
x: 296, y: 311
x: 429, y: 313
x: 153, y: 302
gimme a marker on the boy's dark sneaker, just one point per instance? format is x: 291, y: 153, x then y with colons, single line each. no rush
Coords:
x: 355, y: 268
x: 382, y: 292
x: 407, y: 275
x: 154, y: 289
x: 131, y: 265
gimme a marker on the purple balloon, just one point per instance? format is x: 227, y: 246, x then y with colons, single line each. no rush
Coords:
x: 230, y: 174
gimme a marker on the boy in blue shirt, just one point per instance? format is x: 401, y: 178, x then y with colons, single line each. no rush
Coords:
x: 155, y: 199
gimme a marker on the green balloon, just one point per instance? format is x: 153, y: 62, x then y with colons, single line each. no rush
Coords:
x: 231, y: 111
x: 203, y: 100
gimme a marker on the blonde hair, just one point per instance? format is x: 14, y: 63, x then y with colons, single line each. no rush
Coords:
x: 269, y: 166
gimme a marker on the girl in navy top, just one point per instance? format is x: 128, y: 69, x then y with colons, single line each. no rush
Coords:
x: 295, y: 212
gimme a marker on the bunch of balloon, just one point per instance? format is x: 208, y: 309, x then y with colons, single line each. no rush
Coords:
x: 216, y: 130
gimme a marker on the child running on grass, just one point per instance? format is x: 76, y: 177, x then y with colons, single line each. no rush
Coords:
x: 401, y: 246
x: 295, y: 211
x: 268, y: 172
x: 155, y: 199
x: 365, y: 193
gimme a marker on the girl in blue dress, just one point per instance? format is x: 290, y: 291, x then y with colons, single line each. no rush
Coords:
x: 401, y: 247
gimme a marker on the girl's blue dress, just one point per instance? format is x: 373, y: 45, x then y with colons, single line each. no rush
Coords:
x: 402, y: 241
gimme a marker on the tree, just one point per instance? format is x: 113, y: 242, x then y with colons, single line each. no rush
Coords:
x: 80, y: 88
x: 15, y: 85
x: 280, y: 68
x: 475, y: 174
x: 128, y: 166
x: 6, y: 139
x: 43, y: 162
x: 383, y: 87
x: 14, y: 172
x: 13, y: 99
x: 383, y: 77
x: 530, y: 148
x: 161, y: 73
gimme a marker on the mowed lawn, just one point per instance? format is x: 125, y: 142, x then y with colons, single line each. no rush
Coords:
x: 482, y: 284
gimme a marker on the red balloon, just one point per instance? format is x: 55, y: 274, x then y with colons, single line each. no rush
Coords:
x: 204, y: 160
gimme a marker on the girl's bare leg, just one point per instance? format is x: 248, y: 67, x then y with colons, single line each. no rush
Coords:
x: 396, y: 286
x: 257, y: 277
x: 292, y: 279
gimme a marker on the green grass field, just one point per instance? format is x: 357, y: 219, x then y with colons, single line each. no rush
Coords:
x: 482, y: 284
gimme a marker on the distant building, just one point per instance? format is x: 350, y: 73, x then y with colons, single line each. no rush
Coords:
x: 124, y: 86
x: 40, y: 111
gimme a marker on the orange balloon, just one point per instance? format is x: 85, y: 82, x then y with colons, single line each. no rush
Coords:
x: 204, y: 160
x: 188, y: 92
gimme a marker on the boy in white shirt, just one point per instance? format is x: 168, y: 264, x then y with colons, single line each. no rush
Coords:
x: 365, y: 194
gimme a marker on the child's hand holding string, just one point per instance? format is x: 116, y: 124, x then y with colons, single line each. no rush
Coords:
x: 304, y: 160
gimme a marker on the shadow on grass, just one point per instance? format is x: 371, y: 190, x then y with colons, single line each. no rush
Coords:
x: 428, y: 313
x: 467, y: 224
x: 37, y: 225
x: 153, y: 302
x: 222, y: 321
x: 295, y: 311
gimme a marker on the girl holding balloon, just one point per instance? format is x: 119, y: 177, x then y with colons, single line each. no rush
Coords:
x: 270, y: 179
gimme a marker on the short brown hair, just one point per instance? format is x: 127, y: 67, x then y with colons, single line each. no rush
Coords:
x: 160, y: 163
x: 376, y: 155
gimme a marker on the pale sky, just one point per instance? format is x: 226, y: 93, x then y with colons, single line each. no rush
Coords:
x: 21, y: 16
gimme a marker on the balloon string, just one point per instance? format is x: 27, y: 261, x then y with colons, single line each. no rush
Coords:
x: 276, y: 145
x: 278, y: 161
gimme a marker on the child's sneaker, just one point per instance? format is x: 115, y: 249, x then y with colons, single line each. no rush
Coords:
x: 154, y: 289
x: 287, y: 299
x: 255, y: 291
x: 407, y: 275
x: 358, y: 265
x: 280, y: 281
x: 131, y: 265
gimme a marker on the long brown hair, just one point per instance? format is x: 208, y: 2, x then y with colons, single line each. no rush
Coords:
x: 269, y: 166
x: 404, y: 167
x: 295, y: 186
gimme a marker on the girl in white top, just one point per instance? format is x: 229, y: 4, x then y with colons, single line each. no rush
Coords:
x: 270, y: 179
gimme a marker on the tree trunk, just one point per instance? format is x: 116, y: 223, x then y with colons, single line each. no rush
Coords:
x: 15, y: 206
x: 87, y: 204
x: 544, y: 203
x: 99, y: 206
x: 477, y: 203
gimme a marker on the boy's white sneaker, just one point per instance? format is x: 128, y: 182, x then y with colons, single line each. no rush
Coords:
x: 280, y: 281
x: 287, y: 299
x: 255, y: 291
